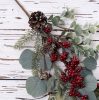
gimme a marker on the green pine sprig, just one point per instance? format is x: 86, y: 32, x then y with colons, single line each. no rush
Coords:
x: 25, y: 38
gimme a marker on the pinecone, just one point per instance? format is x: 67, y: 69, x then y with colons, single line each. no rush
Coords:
x: 37, y: 20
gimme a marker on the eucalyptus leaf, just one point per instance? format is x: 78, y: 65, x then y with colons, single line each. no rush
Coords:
x: 26, y: 59
x: 51, y: 84
x: 86, y: 72
x: 78, y: 29
x: 45, y: 64
x: 91, y: 50
x: 36, y: 87
x: 75, y: 49
x: 69, y: 13
x: 63, y: 32
x: 97, y: 47
x: 92, y: 29
x: 56, y: 20
x: 51, y: 17
x: 77, y: 40
x: 90, y: 83
x: 73, y: 24
x: 87, y: 41
x: 96, y: 55
x: 90, y: 63
x: 91, y: 95
x: 86, y: 32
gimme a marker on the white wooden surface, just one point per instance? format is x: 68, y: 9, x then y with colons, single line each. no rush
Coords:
x: 14, y: 23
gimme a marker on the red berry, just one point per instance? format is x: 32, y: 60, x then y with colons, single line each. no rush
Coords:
x: 78, y: 94
x: 66, y: 44
x: 75, y: 60
x: 72, y: 92
x: 53, y: 57
x: 63, y: 56
x: 71, y: 73
x: 79, y: 69
x: 65, y: 70
x: 58, y: 44
x: 81, y: 85
x: 50, y: 40
x: 62, y: 73
x: 84, y: 97
x: 47, y: 28
x: 64, y: 78
x: 97, y: 85
x: 79, y: 79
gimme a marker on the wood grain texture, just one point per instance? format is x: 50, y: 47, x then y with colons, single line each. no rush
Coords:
x: 14, y: 90
x: 14, y: 24
x: 11, y: 16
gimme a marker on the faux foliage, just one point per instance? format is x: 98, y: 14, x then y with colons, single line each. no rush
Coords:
x: 46, y: 71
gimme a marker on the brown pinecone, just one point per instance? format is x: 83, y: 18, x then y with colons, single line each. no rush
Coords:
x: 37, y: 20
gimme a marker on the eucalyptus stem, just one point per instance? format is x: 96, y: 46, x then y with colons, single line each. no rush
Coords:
x: 66, y: 29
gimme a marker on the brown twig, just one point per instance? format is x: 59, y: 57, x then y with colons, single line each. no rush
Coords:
x: 23, y: 8
x: 28, y: 14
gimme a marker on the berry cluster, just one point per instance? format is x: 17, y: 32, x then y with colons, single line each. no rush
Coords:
x: 47, y: 28
x: 63, y: 56
x: 72, y: 71
x: 72, y: 75
x: 53, y: 57
x: 64, y: 44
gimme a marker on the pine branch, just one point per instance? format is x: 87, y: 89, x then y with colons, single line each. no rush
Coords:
x: 27, y: 37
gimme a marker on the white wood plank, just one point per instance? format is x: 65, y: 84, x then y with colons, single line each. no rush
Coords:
x: 9, y: 64
x: 14, y: 89
x: 86, y: 11
x: 12, y: 16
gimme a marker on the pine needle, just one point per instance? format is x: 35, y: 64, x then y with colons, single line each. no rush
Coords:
x: 21, y: 42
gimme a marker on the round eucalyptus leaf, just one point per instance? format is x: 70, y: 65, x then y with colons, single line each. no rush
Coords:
x: 77, y: 40
x: 45, y: 64
x: 91, y: 95
x: 26, y: 59
x: 78, y: 29
x: 51, y: 84
x: 36, y: 87
x: 90, y: 83
x: 86, y: 72
x: 90, y: 63
x: 56, y: 20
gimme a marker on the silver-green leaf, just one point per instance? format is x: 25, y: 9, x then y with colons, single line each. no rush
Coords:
x: 90, y: 83
x: 26, y: 59
x: 86, y: 72
x: 78, y: 29
x: 51, y: 84
x: 90, y: 63
x: 91, y: 95
x: 36, y: 87
x: 56, y: 20
x: 45, y: 63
